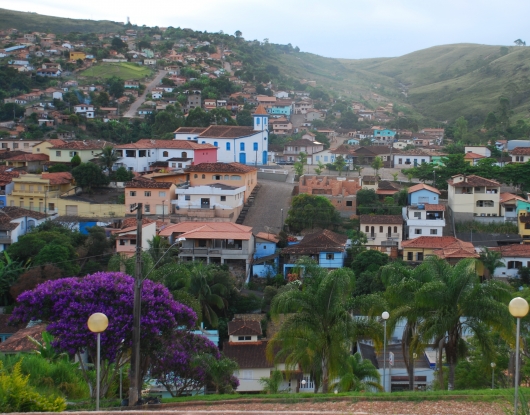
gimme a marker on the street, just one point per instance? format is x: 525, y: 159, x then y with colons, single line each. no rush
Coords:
x: 141, y: 99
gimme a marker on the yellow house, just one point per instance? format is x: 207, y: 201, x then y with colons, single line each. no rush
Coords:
x: 446, y: 247
x: 77, y: 55
x: 39, y: 192
x: 473, y: 195
x: 523, y: 220
x: 230, y: 174
x: 86, y: 150
x: 43, y: 147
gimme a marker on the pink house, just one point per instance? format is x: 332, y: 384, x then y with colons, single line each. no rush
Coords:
x: 156, y: 197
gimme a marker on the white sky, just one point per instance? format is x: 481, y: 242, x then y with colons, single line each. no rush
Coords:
x: 334, y: 28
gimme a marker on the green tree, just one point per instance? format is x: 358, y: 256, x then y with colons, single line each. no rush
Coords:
x: 308, y: 211
x: 491, y: 260
x: 9, y: 272
x: 454, y: 302
x: 60, y: 254
x: 88, y: 175
x: 370, y: 260
x: 319, y: 331
x: 359, y: 375
x: 339, y: 164
x: 76, y: 160
x: 108, y: 157
x: 271, y: 385
x: 219, y: 370
x: 116, y: 86
x: 244, y: 117
x: 320, y: 168
x: 377, y: 164
x: 491, y: 121
x: 123, y: 175
x: 460, y: 128
x: 298, y: 168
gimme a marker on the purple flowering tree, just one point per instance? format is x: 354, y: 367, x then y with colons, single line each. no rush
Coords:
x: 174, y: 365
x: 65, y: 304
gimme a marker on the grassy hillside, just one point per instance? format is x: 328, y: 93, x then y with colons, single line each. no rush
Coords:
x: 121, y: 70
x: 42, y: 23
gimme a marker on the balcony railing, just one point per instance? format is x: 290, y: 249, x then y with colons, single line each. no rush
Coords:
x: 5, y: 239
x: 392, y: 235
x: 389, y: 243
x: 211, y: 251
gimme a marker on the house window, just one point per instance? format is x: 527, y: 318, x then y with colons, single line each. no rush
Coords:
x: 395, y: 229
x: 417, y: 215
x: 216, y: 177
x: 227, y: 177
x: 130, y: 153
x: 132, y: 206
x: 246, y: 338
x: 161, y: 194
x: 349, y: 203
x: 122, y: 242
x: 330, y: 256
x: 227, y: 146
x: 514, y: 264
x: 434, y: 231
x: 4, y: 145
x: 184, y: 155
x: 420, y: 256
x: 133, y: 242
x: 187, y: 197
x: 223, y: 198
x: 203, y: 176
x: 409, y: 256
x: 485, y: 203
x: 381, y: 229
x: 255, y: 146
x: 58, y: 153
x: 15, y: 145
x: 417, y: 231
x: 73, y: 153
x: 367, y: 229
x: 147, y: 209
x: 235, y: 177
x: 132, y: 193
x: 242, y: 146
x: 147, y: 194
x: 195, y: 176
x: 165, y: 154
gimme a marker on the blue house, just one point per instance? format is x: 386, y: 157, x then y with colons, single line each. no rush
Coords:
x: 354, y: 141
x: 384, y: 133
x: 326, y: 247
x: 266, y: 258
x: 423, y: 193
x: 281, y: 109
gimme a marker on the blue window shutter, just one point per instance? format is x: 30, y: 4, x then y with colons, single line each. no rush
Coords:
x: 255, y: 146
x: 228, y: 146
x: 242, y: 146
x: 215, y: 144
x: 257, y: 120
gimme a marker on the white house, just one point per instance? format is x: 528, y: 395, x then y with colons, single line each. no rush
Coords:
x: 412, y: 158
x: 141, y: 155
x: 16, y: 222
x: 85, y: 109
x: 281, y: 94
x: 324, y: 156
x: 245, y: 145
x: 513, y: 257
x: 424, y: 220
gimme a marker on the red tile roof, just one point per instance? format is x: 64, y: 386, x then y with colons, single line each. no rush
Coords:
x: 382, y: 219
x: 260, y: 110
x: 209, y: 230
x: 176, y: 144
x: 244, y: 328
x: 323, y: 241
x: 247, y: 356
x: 432, y: 207
x: 83, y: 145
x: 472, y: 180
x: 515, y: 250
x: 458, y: 249
x: 432, y: 242
x: 29, y: 157
x: 521, y: 151
x: 268, y: 237
x: 20, y: 343
x: 227, y: 131
x: 471, y: 156
x: 220, y: 168
x: 505, y: 197
x: 190, y: 130
x: 58, y: 178
x: 423, y: 186
x: 148, y: 184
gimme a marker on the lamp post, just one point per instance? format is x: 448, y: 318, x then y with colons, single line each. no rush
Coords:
x: 281, y: 224
x: 98, y: 323
x: 518, y: 308
x: 303, y: 382
x: 385, y: 317
x: 493, y: 375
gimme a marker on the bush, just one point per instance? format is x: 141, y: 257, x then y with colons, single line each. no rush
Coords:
x: 17, y: 396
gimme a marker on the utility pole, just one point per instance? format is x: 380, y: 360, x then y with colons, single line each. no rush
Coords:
x: 134, y: 374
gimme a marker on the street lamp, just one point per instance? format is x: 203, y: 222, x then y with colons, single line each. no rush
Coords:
x: 385, y: 317
x: 493, y: 375
x: 281, y: 224
x: 518, y: 308
x: 303, y: 383
x: 98, y: 323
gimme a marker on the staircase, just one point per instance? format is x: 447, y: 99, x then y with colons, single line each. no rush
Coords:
x: 248, y: 204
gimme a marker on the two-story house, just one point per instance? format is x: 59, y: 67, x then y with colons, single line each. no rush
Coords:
x: 177, y: 154
x: 384, y: 232
x: 16, y: 222
x: 281, y: 126
x: 326, y: 247
x: 508, y: 203
x: 423, y: 215
x: 126, y: 238
x: 214, y: 242
x: 266, y: 257
x: 246, y: 145
x: 293, y: 148
x: 471, y: 196
x: 383, y: 136
x: 156, y: 198
x: 85, y: 109
x: 411, y: 158
x: 230, y: 174
x: 86, y: 150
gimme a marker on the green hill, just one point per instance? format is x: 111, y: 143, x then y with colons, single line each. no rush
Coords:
x: 42, y: 23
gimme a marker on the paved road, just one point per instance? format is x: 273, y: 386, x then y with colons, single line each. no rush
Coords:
x: 270, y: 200
x: 141, y: 99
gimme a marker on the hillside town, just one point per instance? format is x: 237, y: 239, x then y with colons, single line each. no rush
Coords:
x: 251, y: 184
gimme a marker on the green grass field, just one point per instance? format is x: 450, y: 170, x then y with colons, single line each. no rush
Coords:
x: 121, y: 70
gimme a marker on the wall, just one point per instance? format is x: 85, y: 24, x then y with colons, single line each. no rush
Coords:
x: 274, y: 175
x: 336, y: 262
x: 504, y: 272
x: 249, y: 180
x: 65, y: 155
x: 423, y: 193
x: 249, y: 379
x: 153, y: 202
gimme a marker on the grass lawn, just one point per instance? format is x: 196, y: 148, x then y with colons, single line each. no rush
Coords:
x: 122, y: 70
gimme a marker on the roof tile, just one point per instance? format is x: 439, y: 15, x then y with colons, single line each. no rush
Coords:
x: 381, y: 219
x: 220, y: 168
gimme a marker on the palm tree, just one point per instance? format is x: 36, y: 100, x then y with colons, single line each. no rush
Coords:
x: 454, y: 302
x: 320, y: 331
x: 108, y: 157
x: 358, y: 375
x: 158, y: 247
x: 219, y: 371
x: 491, y: 260
x: 209, y: 293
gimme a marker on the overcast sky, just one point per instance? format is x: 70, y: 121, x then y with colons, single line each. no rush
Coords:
x: 333, y: 28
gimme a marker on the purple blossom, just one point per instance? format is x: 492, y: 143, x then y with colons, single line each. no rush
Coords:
x: 65, y: 304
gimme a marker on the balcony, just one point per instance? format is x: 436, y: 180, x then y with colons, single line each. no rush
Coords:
x: 5, y: 239
x: 213, y: 251
x: 392, y: 235
x: 389, y: 243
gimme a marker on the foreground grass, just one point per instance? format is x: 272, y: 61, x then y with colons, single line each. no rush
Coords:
x: 481, y: 395
x: 122, y: 70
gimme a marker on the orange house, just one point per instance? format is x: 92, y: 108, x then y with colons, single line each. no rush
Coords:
x: 155, y: 197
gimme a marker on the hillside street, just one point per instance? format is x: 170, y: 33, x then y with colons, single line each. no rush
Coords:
x: 141, y: 99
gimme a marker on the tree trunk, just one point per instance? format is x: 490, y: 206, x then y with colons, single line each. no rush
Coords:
x: 440, y: 364
x: 325, y: 375
x: 451, y: 356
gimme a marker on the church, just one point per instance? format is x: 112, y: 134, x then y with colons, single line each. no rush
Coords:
x: 246, y: 145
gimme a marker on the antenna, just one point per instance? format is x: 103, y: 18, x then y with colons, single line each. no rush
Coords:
x: 128, y: 20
